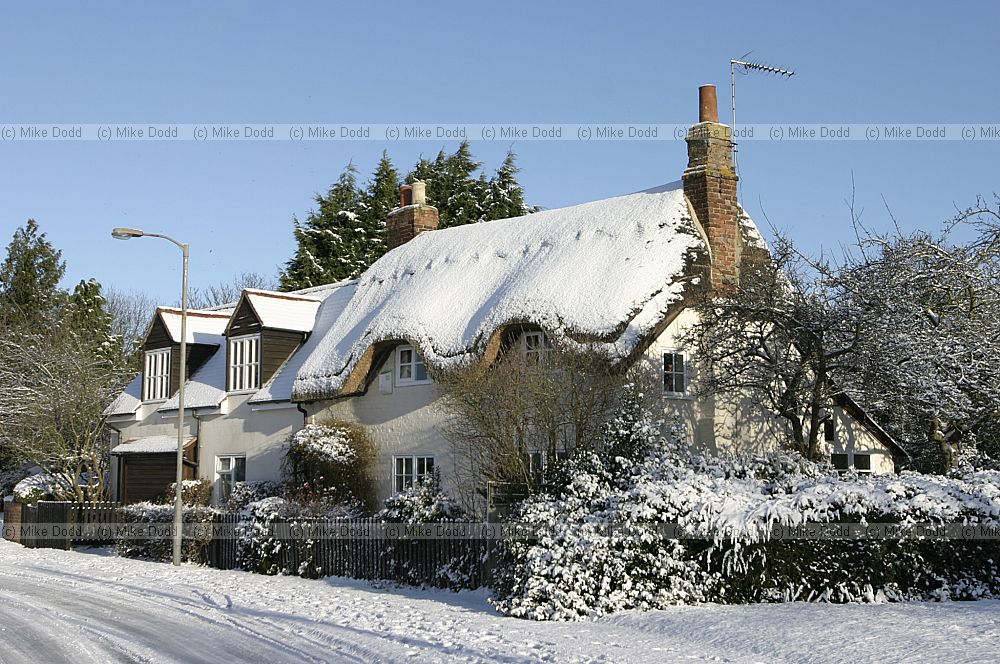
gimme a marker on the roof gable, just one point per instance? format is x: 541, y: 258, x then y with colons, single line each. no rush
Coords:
x: 202, y: 326
x: 282, y: 311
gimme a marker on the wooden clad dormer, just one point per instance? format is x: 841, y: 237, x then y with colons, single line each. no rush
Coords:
x: 277, y: 336
x: 159, y: 338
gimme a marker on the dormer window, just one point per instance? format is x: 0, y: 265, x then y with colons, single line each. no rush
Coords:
x: 156, y: 375
x: 244, y: 363
x: 410, y: 368
x: 535, y: 345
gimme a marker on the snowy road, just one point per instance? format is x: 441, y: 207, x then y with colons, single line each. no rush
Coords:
x: 60, y: 606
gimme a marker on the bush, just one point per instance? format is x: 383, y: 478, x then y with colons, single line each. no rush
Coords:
x: 149, y: 532
x: 332, y: 464
x: 194, y: 493
x: 597, y: 553
x: 41, y: 486
x: 244, y: 493
x: 258, y: 544
x: 424, y: 502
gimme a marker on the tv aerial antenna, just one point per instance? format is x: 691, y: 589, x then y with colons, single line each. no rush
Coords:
x: 744, y: 66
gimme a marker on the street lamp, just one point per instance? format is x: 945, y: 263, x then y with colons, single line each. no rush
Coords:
x: 128, y: 234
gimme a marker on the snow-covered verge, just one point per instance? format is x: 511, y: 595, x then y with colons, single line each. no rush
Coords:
x: 598, y: 555
x: 59, y: 606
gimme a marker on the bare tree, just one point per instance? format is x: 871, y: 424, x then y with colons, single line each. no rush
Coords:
x: 54, y: 387
x: 130, y: 311
x: 507, y: 418
x: 780, y: 336
x: 228, y: 292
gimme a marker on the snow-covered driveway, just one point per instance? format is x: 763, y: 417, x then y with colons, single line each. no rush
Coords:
x: 58, y: 606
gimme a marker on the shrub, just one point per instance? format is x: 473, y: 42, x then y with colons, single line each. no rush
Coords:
x: 149, y: 533
x: 41, y: 486
x: 597, y: 553
x: 194, y: 493
x: 424, y: 502
x: 332, y: 464
x: 244, y: 493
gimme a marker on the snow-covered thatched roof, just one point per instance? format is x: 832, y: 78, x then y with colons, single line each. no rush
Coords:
x: 604, y: 272
x: 337, y: 297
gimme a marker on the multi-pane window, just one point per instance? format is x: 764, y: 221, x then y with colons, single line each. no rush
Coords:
x: 408, y: 470
x: 674, y: 373
x: 862, y: 463
x: 244, y: 363
x: 829, y: 430
x: 410, y: 366
x: 230, y: 469
x: 156, y: 375
x: 536, y: 345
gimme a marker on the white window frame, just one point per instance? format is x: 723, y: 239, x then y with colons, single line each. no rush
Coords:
x: 156, y: 375
x: 230, y: 472
x: 410, y: 367
x: 535, y: 345
x: 684, y: 373
x: 244, y: 374
x: 408, y: 469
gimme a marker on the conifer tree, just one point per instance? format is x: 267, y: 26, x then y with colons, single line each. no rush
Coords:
x: 453, y: 187
x: 505, y: 197
x: 88, y: 317
x: 29, y: 279
x: 328, y: 239
x: 378, y: 199
x: 346, y: 234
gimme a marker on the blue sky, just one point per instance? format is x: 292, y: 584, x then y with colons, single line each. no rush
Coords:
x: 445, y: 62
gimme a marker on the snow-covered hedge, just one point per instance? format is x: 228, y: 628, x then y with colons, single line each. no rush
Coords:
x: 580, y: 567
x: 157, y: 542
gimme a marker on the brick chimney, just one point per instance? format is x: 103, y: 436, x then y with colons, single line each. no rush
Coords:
x: 710, y: 186
x: 412, y: 217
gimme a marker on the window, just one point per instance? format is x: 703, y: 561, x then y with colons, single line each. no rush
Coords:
x: 229, y: 470
x: 156, y: 375
x: 537, y: 462
x: 408, y: 470
x: 862, y: 463
x: 535, y: 345
x: 674, y: 373
x: 829, y: 429
x: 244, y: 363
x: 410, y: 368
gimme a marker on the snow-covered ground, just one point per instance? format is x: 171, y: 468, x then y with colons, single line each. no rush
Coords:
x: 58, y: 606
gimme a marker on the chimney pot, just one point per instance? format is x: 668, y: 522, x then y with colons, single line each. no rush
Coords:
x: 405, y: 195
x: 419, y: 189
x: 708, y: 104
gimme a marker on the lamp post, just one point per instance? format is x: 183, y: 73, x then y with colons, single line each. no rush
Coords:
x: 127, y: 234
